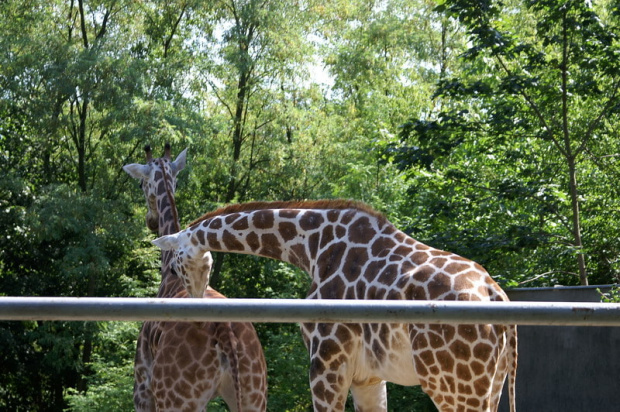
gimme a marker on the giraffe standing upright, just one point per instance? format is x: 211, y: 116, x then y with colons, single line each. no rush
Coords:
x: 352, y: 252
x: 181, y: 366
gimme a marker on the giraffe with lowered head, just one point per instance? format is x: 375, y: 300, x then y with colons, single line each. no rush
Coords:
x: 353, y: 252
x: 181, y: 366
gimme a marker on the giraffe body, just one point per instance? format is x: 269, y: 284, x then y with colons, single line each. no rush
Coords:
x: 181, y: 366
x: 352, y: 252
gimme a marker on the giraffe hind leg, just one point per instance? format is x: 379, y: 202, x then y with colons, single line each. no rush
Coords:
x: 228, y: 393
x: 143, y: 398
x: 448, y: 374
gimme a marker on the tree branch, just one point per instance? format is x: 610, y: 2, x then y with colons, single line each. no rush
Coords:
x: 534, y: 107
x: 595, y: 123
x: 220, y: 98
x: 545, y: 274
x: 104, y: 24
x: 83, y: 23
x: 174, y: 29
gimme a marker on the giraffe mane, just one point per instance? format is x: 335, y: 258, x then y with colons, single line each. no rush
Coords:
x: 173, y: 203
x: 338, y: 204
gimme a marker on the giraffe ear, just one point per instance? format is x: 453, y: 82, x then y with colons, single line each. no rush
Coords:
x: 137, y: 171
x: 167, y: 242
x: 179, y: 162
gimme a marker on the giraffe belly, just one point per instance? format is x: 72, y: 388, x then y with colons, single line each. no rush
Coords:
x: 392, y: 360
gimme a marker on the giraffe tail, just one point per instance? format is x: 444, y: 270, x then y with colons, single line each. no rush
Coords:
x: 229, y: 344
x: 143, y: 397
x: 512, y: 362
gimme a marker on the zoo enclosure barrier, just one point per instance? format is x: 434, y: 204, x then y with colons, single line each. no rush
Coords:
x: 301, y: 310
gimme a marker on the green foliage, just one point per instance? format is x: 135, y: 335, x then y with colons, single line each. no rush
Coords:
x: 401, y: 398
x: 110, y: 387
x: 287, y: 369
x: 611, y: 296
x: 63, y: 243
x: 526, y: 124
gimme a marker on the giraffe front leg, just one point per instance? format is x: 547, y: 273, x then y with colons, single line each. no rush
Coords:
x: 331, y: 347
x: 370, y: 396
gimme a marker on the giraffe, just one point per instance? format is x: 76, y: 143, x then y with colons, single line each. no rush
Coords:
x: 351, y: 251
x: 182, y: 365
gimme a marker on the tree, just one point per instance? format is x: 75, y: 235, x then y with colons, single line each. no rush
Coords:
x: 535, y: 70
x: 66, y: 83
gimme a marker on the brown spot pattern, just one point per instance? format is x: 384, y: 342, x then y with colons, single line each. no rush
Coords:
x: 288, y: 213
x: 270, y: 246
x: 329, y: 261
x: 341, y: 231
x: 438, y: 285
x: 263, y: 219
x: 361, y: 231
x: 327, y: 236
x: 229, y: 219
x: 460, y: 350
x: 332, y: 290
x: 353, y: 262
x: 252, y: 241
x: 482, y: 351
x: 231, y: 243
x: 332, y: 215
x: 214, y: 244
x: 388, y: 275
x: 241, y: 224
x: 287, y: 230
x: 382, y: 247
x: 311, y: 220
x: 214, y: 224
x: 299, y: 257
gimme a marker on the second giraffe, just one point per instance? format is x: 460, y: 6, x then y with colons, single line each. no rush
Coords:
x: 181, y: 366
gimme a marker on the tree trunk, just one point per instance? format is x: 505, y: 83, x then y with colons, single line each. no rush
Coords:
x: 81, y: 144
x: 571, y: 159
x: 237, y: 136
x: 245, y: 69
x: 574, y: 197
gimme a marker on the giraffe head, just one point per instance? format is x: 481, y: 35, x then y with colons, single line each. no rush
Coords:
x: 189, y: 263
x: 157, y: 179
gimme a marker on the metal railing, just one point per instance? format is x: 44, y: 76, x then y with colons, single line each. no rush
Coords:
x: 300, y: 310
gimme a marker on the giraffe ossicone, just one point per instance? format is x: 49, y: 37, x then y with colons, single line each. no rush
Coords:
x: 183, y: 365
x: 353, y: 252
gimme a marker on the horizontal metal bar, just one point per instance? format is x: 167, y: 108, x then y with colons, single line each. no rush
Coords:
x: 300, y: 310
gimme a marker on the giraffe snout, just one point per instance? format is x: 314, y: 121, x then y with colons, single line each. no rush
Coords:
x: 152, y: 222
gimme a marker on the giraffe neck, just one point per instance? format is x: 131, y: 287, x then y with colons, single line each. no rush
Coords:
x: 167, y: 208
x: 168, y: 224
x: 321, y: 242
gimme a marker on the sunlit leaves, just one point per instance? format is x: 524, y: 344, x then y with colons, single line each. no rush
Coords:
x: 535, y: 86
